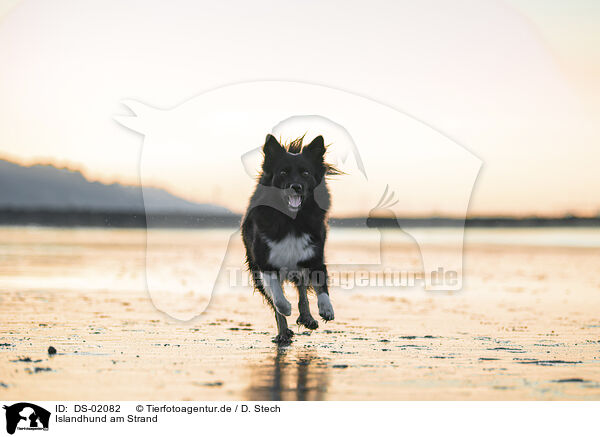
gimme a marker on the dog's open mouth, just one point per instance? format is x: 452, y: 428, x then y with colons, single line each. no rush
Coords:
x: 294, y: 201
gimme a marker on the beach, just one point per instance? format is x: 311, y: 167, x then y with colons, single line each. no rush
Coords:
x: 525, y: 326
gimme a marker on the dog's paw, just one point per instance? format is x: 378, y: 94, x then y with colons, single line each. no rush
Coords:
x: 325, y: 308
x: 284, y: 338
x: 283, y: 307
x: 307, y: 322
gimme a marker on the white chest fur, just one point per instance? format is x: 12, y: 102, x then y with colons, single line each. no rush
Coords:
x: 287, y: 253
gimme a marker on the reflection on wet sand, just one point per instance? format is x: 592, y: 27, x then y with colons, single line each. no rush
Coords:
x: 525, y: 327
x: 289, y: 375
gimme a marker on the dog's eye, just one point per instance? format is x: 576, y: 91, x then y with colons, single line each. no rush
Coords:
x: 283, y: 172
x: 305, y: 173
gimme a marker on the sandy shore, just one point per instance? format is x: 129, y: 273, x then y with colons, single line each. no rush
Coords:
x: 526, y: 326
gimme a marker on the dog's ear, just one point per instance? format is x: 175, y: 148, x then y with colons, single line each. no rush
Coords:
x: 315, y: 150
x: 272, y: 150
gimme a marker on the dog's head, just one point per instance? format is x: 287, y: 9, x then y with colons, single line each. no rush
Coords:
x: 295, y: 170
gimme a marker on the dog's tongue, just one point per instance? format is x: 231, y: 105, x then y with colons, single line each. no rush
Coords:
x: 295, y: 201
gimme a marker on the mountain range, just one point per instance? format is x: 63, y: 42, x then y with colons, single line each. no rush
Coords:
x: 48, y: 188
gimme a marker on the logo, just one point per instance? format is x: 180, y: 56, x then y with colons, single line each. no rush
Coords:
x: 26, y: 416
x: 215, y: 140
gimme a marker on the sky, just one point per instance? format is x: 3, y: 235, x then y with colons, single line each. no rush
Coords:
x: 515, y: 84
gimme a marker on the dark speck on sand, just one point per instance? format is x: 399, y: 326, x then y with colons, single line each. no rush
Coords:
x: 209, y: 384
x: 25, y: 360
x: 547, y: 362
x: 39, y: 369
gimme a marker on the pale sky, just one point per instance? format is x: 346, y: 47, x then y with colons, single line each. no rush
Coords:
x: 517, y: 83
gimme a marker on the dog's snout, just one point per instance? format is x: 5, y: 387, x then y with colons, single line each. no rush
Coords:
x: 297, y: 188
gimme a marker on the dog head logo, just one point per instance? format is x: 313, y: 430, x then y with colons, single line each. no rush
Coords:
x: 26, y: 416
x: 196, y: 147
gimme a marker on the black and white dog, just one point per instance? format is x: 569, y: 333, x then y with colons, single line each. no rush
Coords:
x: 284, y: 229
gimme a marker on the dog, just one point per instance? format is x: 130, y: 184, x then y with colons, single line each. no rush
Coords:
x: 285, y: 227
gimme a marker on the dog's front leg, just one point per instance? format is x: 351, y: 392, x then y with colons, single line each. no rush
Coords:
x: 319, y: 283
x: 273, y: 287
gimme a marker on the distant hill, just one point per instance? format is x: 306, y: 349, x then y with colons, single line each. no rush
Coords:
x: 45, y: 187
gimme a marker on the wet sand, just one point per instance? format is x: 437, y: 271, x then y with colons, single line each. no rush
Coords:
x: 525, y: 327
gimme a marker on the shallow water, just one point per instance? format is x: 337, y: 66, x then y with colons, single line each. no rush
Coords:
x: 115, y: 259
x: 525, y: 326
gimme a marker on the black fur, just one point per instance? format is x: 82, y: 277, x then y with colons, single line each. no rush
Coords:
x: 288, y: 174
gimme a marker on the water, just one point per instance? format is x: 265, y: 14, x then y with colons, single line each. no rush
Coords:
x: 35, y: 258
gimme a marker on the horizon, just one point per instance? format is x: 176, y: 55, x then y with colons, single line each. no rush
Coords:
x: 566, y: 215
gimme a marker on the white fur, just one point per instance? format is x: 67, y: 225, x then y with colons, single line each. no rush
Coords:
x: 273, y: 287
x: 325, y: 308
x: 288, y: 252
